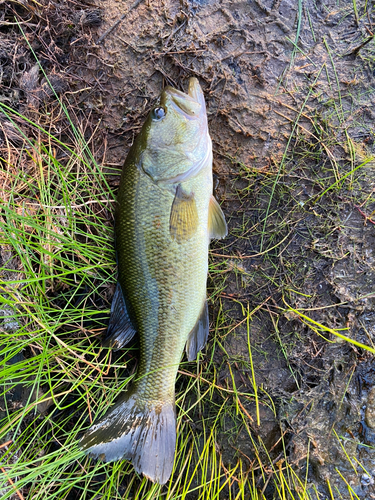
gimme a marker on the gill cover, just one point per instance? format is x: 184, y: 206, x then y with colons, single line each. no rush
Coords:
x: 177, y: 146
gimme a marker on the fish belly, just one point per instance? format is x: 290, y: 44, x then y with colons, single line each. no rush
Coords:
x: 164, y: 281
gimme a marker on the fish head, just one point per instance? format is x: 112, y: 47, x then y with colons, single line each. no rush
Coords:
x: 175, y: 141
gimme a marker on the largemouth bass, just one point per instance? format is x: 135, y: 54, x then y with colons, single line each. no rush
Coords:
x: 166, y: 216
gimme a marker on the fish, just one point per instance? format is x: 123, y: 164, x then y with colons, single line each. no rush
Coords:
x: 166, y: 216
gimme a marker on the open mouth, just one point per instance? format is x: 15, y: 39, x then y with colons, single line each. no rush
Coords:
x: 195, y: 92
x: 185, y: 103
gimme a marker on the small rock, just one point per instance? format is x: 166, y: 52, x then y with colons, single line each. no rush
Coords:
x: 370, y: 409
x: 367, y: 480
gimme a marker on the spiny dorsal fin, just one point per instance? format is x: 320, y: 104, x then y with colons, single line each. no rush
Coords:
x: 217, y: 227
x: 198, y: 336
x: 120, y: 329
x: 183, y: 221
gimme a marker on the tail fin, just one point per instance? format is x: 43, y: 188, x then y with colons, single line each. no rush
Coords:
x: 138, y: 430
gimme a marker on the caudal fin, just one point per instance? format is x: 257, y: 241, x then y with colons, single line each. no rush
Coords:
x: 137, y: 430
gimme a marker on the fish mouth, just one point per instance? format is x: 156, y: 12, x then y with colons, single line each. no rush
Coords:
x: 195, y: 91
x: 191, y: 104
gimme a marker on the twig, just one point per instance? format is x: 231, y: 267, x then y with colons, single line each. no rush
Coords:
x: 357, y: 48
x: 254, y: 255
x: 89, y: 407
x: 69, y: 206
x: 245, y: 411
x: 14, y: 486
x: 6, y: 444
x: 216, y: 386
x: 173, y: 33
x: 111, y: 28
x: 6, y: 23
x: 364, y: 215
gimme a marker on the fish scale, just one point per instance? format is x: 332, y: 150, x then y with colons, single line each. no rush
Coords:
x: 169, y: 293
x: 165, y: 218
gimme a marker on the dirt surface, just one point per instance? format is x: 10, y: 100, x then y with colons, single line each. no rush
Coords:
x: 290, y: 95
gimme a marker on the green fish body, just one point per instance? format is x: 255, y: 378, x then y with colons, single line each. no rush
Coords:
x: 166, y: 216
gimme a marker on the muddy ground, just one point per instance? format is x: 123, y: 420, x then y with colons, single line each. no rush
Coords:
x: 289, y: 87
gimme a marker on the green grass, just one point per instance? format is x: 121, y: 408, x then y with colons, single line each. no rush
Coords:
x: 57, y: 280
x: 58, y: 275
x: 59, y: 270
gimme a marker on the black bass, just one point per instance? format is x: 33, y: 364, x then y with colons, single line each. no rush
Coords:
x: 166, y: 216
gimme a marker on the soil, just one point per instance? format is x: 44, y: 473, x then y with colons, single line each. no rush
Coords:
x: 263, y: 66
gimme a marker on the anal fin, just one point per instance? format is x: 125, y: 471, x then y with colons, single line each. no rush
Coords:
x: 198, y: 336
x: 120, y: 329
x: 217, y: 226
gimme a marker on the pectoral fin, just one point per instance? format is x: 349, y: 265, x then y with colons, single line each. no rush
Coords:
x: 217, y: 227
x: 198, y: 336
x: 183, y: 221
x: 120, y: 329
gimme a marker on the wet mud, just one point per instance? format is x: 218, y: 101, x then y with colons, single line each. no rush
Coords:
x: 289, y: 88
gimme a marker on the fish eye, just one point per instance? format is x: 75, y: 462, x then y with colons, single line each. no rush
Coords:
x: 158, y: 113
